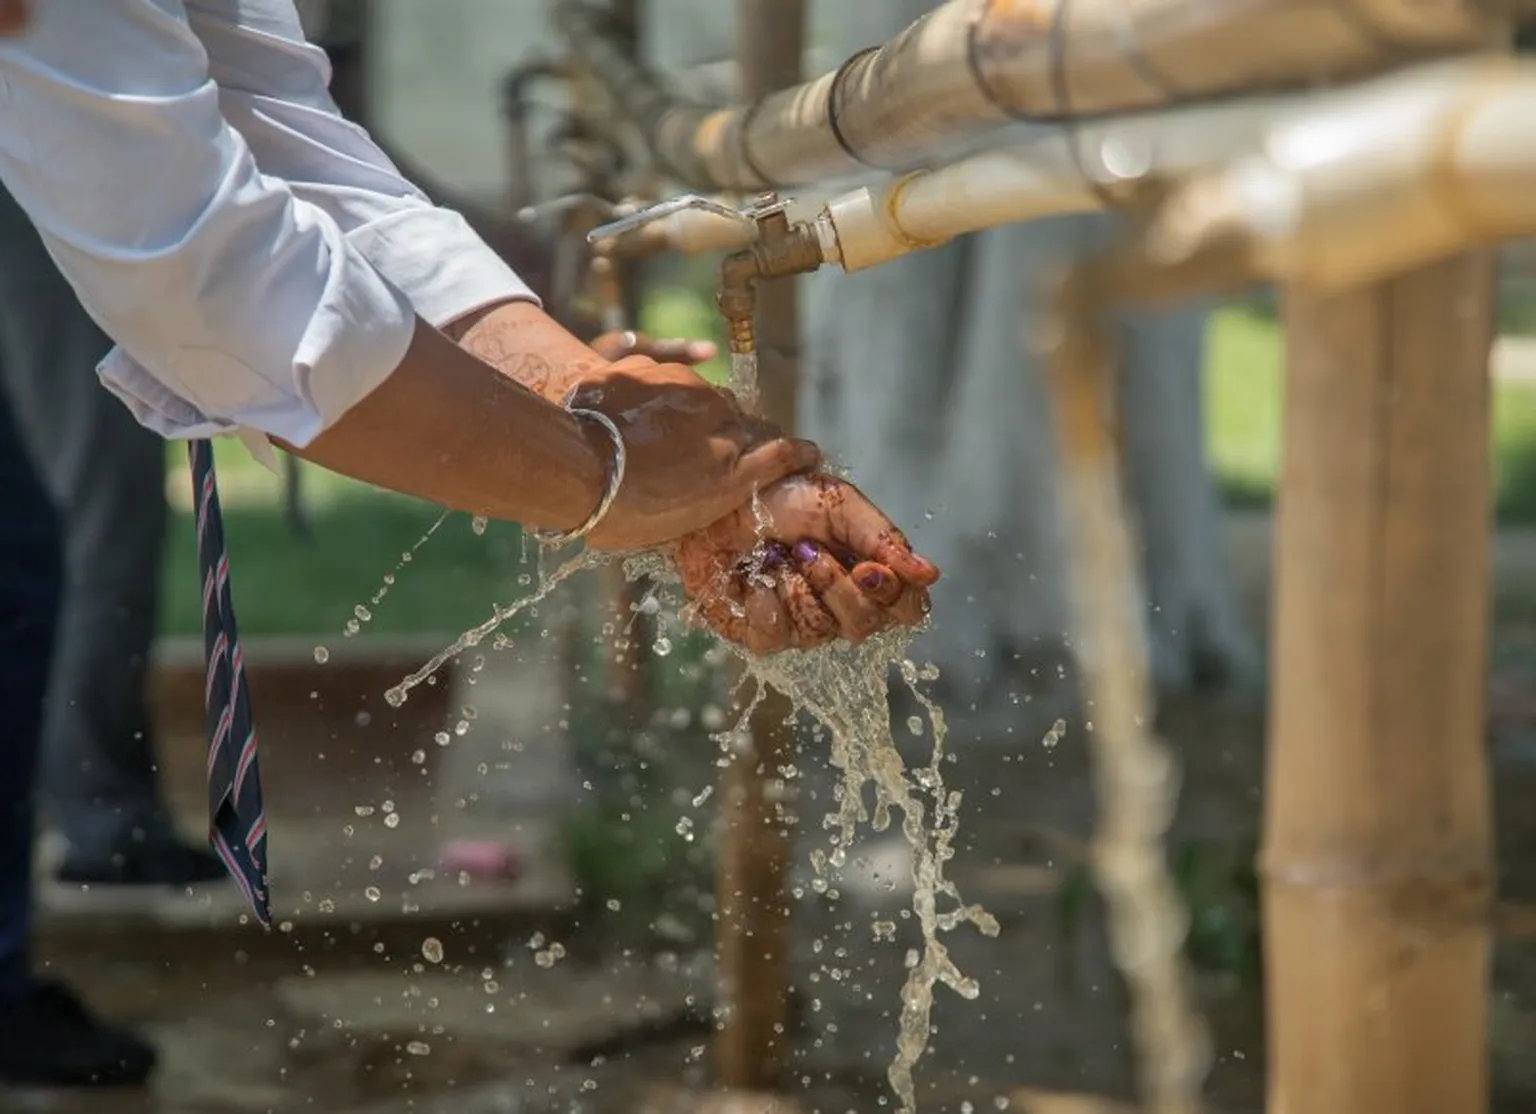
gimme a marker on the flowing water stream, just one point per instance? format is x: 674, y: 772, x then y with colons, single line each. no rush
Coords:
x: 844, y: 691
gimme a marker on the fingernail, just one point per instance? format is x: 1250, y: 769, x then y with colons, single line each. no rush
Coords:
x: 871, y: 580
x: 774, y: 555
x: 805, y: 553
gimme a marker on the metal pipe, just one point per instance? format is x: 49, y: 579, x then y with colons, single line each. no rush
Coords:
x: 974, y: 65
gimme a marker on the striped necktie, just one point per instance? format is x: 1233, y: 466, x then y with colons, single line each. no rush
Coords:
x: 237, y: 823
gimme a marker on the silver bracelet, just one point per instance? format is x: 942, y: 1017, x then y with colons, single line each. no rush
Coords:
x: 610, y: 493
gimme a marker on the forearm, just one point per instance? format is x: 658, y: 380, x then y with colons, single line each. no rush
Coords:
x: 528, y: 346
x: 445, y: 427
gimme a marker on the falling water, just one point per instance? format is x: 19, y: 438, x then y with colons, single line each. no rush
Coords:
x: 743, y: 381
x: 845, y: 689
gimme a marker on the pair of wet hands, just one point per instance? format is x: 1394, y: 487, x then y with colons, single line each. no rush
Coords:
x: 809, y: 561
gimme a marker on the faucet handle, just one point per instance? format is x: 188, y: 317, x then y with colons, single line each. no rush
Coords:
x: 662, y: 209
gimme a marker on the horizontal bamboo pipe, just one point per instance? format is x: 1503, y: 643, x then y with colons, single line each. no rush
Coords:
x: 974, y: 65
x: 1331, y: 189
x: 1416, y: 168
x: 1060, y: 169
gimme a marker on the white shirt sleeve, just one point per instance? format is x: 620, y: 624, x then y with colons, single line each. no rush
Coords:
x: 273, y: 89
x: 237, y: 299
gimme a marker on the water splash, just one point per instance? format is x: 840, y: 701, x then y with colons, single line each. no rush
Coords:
x: 500, y: 613
x: 845, y: 689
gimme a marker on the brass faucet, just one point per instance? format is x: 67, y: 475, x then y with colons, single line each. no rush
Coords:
x: 781, y: 248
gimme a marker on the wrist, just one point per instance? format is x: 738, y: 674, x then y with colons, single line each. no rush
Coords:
x: 526, y: 345
x: 606, y: 441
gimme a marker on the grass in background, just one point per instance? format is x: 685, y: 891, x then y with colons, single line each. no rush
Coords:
x: 288, y: 586
x: 1243, y: 406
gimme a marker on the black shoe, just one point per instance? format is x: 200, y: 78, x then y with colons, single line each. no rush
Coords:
x: 48, y: 1039
x: 176, y: 865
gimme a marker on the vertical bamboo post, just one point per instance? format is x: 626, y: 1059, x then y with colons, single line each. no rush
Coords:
x: 756, y: 837
x: 1378, y: 850
x: 616, y: 287
x: 629, y: 671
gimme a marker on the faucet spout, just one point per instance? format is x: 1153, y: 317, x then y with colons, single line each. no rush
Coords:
x: 783, y: 248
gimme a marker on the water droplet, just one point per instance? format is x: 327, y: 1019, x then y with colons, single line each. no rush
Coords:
x: 322, y: 655
x: 372, y: 893
x: 479, y: 523
x: 418, y: 1048
x: 663, y: 646
x: 392, y: 820
x: 432, y: 949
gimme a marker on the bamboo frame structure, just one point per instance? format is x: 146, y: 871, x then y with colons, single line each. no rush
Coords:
x: 1377, y: 861
x: 972, y: 66
x: 1336, y: 188
x: 1377, y: 856
x: 756, y: 829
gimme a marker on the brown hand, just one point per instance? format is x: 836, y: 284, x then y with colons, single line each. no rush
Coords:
x: 693, y: 454
x: 813, y: 560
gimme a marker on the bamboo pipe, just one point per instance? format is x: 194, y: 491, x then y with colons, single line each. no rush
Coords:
x: 1412, y: 168
x: 756, y: 830
x: 1332, y: 189
x: 1377, y: 862
x: 612, y: 293
x: 975, y: 65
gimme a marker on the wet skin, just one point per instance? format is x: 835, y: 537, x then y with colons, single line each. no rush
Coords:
x: 810, y: 561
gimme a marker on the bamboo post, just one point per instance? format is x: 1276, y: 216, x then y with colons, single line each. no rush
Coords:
x: 630, y: 670
x: 1378, y: 851
x: 614, y: 288
x: 756, y: 836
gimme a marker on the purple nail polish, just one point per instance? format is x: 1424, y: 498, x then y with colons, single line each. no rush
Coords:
x: 871, y: 580
x: 806, y: 552
x: 774, y: 555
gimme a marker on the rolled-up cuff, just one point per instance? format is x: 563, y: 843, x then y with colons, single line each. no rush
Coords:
x: 359, y: 354
x: 439, y: 262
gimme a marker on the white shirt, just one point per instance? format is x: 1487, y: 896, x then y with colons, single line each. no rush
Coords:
x: 258, y: 260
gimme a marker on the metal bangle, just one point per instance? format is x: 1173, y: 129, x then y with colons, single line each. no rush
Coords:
x: 610, y: 493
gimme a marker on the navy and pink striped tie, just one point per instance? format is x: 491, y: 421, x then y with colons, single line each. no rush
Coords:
x: 237, y: 822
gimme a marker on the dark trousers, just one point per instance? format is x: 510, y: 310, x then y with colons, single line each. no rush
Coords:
x: 106, y: 474
x: 31, y: 586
